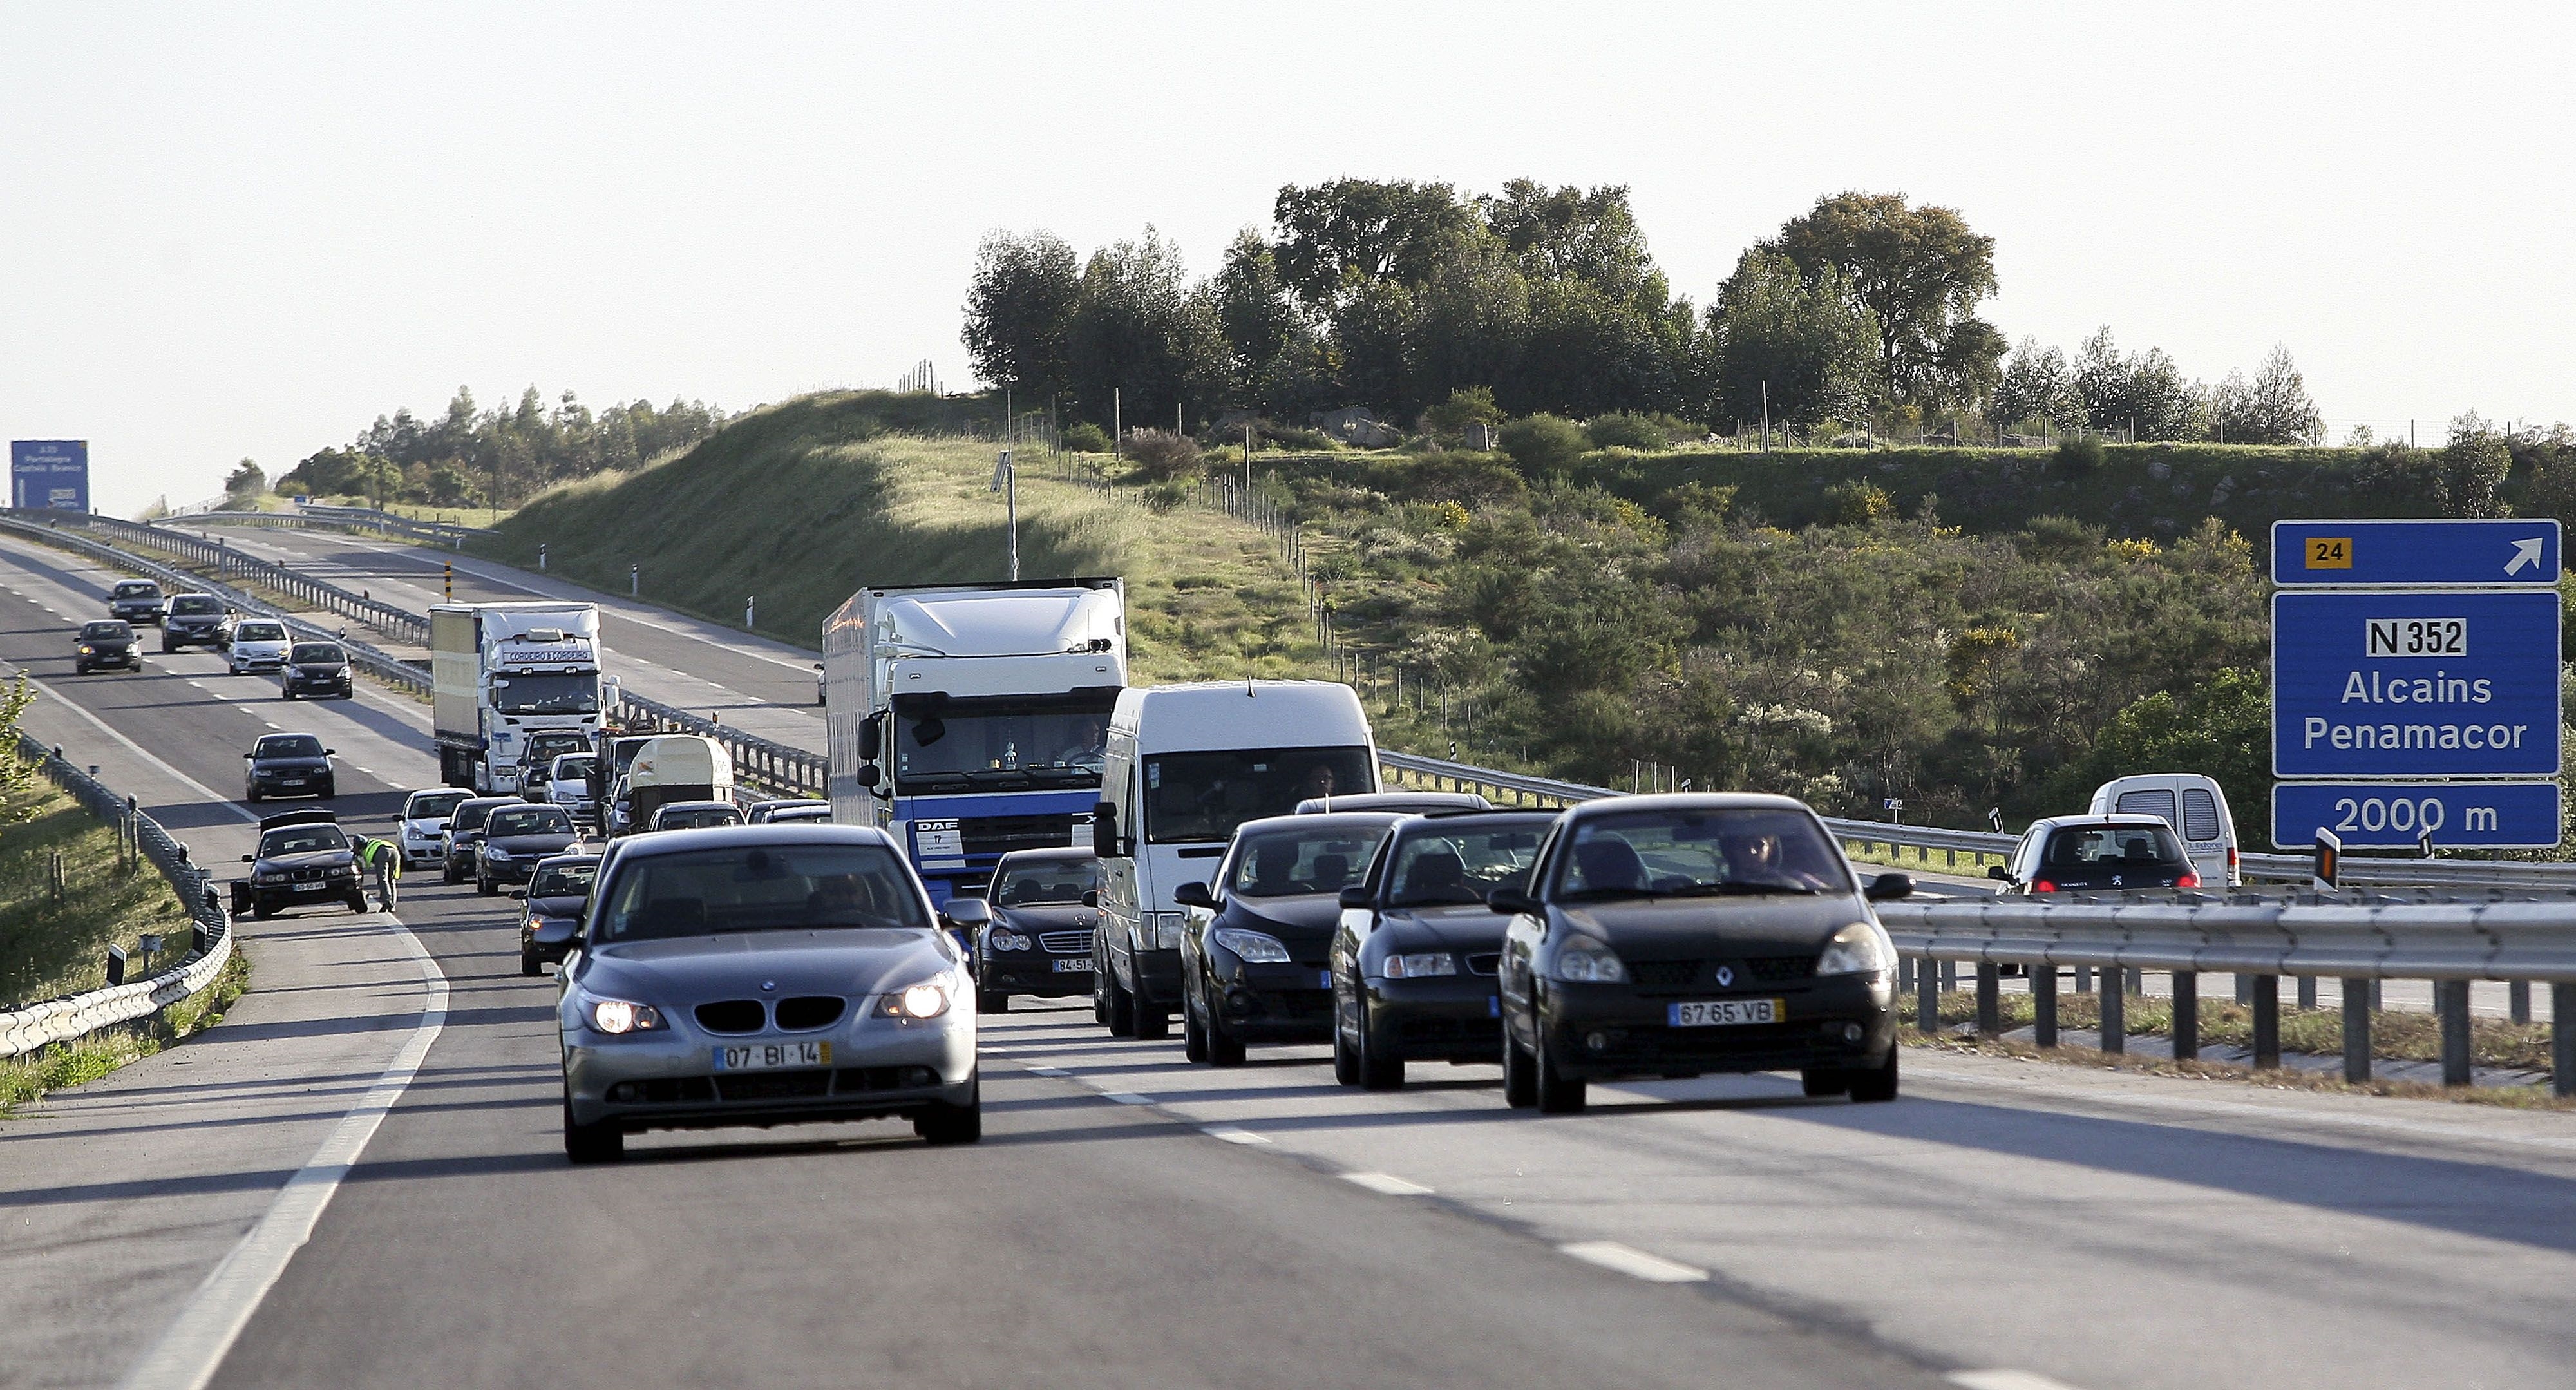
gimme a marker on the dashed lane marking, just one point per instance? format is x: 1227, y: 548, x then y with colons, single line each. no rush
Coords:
x: 1049, y: 1071
x: 1387, y: 1183
x: 1232, y: 1135
x: 2004, y: 1380
x: 1128, y: 1098
x: 1637, y: 1264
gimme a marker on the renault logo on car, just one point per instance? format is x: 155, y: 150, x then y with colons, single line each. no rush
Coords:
x: 1726, y: 975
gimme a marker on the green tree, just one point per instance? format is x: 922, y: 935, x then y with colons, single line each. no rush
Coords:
x: 1471, y: 323
x: 1019, y: 307
x: 1278, y: 355
x: 1560, y: 233
x: 2221, y: 728
x: 1141, y: 329
x: 1921, y: 272
x: 2035, y: 385
x: 2274, y: 408
x: 1468, y: 405
x: 246, y: 480
x: 1805, y: 339
x: 1372, y: 343
x: 2145, y: 392
x: 1545, y: 446
x: 2474, y: 465
x: 1336, y: 237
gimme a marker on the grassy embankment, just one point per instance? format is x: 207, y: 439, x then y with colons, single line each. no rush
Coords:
x: 803, y: 502
x: 49, y: 949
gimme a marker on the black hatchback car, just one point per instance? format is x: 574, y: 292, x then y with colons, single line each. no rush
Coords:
x: 1670, y: 936
x: 515, y: 837
x: 1039, y: 940
x: 555, y: 896
x: 317, y: 669
x: 1256, y: 952
x: 109, y: 642
x: 304, y: 860
x: 195, y: 620
x: 136, y: 601
x: 289, y: 765
x: 1415, y: 955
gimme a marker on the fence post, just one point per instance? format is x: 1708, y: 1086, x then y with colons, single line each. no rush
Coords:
x: 1990, y: 1020
x: 2115, y: 1012
x: 2186, y: 1016
x: 2356, y: 1031
x: 2454, y: 997
x: 2043, y: 1003
x: 2267, y: 1022
x: 2562, y: 1039
x: 1927, y: 997
x: 2517, y: 998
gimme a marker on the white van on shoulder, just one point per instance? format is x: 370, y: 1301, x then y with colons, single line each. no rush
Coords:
x: 2190, y: 803
x: 1186, y: 765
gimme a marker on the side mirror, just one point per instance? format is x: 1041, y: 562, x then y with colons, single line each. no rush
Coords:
x: 330, y: 752
x: 247, y: 756
x: 250, y: 858
x: 866, y: 776
x: 1104, y: 830
x: 1889, y: 887
x: 1513, y: 899
x: 1194, y: 895
x: 518, y: 895
x: 871, y: 739
x: 1999, y: 871
x: 968, y: 913
x: 1359, y: 895
x: 1091, y: 897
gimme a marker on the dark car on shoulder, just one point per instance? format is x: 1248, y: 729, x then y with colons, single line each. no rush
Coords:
x: 463, y: 837
x: 195, y: 620
x: 304, y: 860
x: 108, y: 642
x: 550, y: 920
x: 137, y: 601
x: 288, y: 765
x: 1256, y: 950
x: 317, y: 669
x: 1673, y: 936
x: 515, y: 836
x: 1415, y: 955
x: 1044, y: 910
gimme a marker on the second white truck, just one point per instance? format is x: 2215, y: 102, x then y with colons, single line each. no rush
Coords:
x: 501, y: 673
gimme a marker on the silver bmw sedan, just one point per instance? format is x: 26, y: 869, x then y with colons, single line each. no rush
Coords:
x: 760, y: 975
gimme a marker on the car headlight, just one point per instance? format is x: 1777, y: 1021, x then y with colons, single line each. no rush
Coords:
x: 1167, y: 930
x: 623, y: 1016
x: 1582, y: 960
x: 928, y: 999
x: 272, y: 876
x: 1254, y: 948
x: 88, y: 651
x: 495, y: 852
x: 1859, y: 949
x: 1420, y: 964
x: 1008, y: 941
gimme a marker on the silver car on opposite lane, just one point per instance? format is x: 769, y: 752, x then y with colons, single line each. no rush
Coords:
x: 761, y: 975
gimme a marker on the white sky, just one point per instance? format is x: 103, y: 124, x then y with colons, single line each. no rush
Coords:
x: 237, y: 230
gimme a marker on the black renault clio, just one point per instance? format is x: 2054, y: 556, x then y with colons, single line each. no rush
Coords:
x: 1670, y: 936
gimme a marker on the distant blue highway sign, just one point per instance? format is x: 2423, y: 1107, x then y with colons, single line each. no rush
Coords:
x: 2415, y: 554
x: 2398, y: 815
x: 50, y: 473
x: 2415, y: 685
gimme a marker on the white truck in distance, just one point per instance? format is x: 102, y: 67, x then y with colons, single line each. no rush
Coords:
x: 501, y: 672
x: 969, y: 720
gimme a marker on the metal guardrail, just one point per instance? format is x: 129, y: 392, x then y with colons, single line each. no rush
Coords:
x: 439, y: 533
x: 773, y: 766
x: 375, y: 613
x: 26, y: 1028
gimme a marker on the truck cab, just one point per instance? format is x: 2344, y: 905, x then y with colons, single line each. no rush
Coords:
x: 509, y: 681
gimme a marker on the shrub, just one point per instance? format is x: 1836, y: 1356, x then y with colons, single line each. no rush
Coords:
x: 1164, y: 496
x: 1292, y: 436
x: 2079, y: 454
x: 1544, y: 445
x: 1470, y: 405
x: 1858, y: 503
x: 1084, y: 437
x: 1627, y: 428
x: 1161, y: 455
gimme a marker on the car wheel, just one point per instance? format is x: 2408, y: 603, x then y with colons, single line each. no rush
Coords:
x: 529, y: 964
x: 988, y: 1001
x: 251, y: 794
x: 357, y: 902
x: 1555, y: 1093
x: 1152, y: 1020
x: 1223, y: 1048
x: 1380, y: 1067
x: 1520, y: 1086
x: 602, y: 1142
x: 1877, y: 1083
x: 943, y: 1123
x: 260, y: 911
x: 1122, y: 1010
x: 1099, y: 994
x: 1194, y: 1038
x: 1346, y: 1062
x: 1824, y: 1081
x: 447, y: 872
x: 485, y: 886
x: 286, y: 694
x: 166, y: 648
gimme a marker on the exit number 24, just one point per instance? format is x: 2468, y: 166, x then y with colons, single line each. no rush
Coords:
x: 2329, y: 552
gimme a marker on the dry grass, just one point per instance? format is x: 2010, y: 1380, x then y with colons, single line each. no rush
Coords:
x: 2511, y: 1097
x: 2395, y: 1034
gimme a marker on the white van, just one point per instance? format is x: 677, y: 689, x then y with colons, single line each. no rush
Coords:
x: 2190, y: 803
x: 1186, y: 765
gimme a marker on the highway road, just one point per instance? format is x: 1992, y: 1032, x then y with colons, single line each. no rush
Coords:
x: 1132, y: 1219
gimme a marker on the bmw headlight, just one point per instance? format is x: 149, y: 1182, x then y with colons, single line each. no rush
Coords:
x: 1583, y: 960
x: 1859, y: 949
x: 928, y: 999
x: 1419, y: 964
x: 623, y: 1016
x: 271, y: 876
x: 1252, y: 947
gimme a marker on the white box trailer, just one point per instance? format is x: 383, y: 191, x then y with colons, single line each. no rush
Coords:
x: 503, y: 672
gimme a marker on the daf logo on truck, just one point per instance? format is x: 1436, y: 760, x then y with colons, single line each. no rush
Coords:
x: 503, y: 673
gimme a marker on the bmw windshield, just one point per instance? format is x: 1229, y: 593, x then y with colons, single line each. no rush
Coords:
x: 760, y: 888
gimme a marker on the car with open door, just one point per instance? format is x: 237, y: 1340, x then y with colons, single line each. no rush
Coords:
x: 304, y: 859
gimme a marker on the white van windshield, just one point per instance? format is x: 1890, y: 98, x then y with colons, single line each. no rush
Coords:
x: 1195, y: 798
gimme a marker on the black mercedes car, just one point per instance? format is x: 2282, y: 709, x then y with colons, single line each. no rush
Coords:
x: 289, y: 765
x: 515, y: 837
x: 105, y: 643
x: 136, y: 601
x: 1414, y: 958
x: 195, y: 620
x: 555, y: 895
x: 304, y: 860
x: 1039, y: 941
x: 1255, y: 951
x: 317, y: 669
x: 1670, y: 936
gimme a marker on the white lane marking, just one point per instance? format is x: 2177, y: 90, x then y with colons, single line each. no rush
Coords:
x: 1049, y: 1071
x: 1128, y: 1098
x: 195, y: 1345
x: 1387, y: 1183
x: 1635, y: 1263
x: 200, y: 788
x: 270, y: 723
x: 1232, y: 1135
x: 2004, y: 1380
x: 367, y: 770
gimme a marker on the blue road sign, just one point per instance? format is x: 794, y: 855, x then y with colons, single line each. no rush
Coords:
x: 2425, y: 685
x: 2397, y: 815
x: 2415, y: 554
x: 49, y: 473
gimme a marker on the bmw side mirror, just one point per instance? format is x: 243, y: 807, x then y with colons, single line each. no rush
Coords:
x: 1889, y: 887
x: 1358, y: 895
x: 1194, y: 895
x: 1999, y: 871
x: 967, y: 912
x: 1513, y: 899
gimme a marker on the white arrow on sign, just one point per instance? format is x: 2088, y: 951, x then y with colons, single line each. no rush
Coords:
x: 2524, y: 553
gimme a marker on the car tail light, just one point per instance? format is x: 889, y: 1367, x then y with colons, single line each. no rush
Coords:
x: 2188, y: 880
x: 2231, y: 857
x: 2041, y: 885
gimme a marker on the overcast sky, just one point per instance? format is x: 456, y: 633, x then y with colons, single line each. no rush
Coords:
x: 247, y: 230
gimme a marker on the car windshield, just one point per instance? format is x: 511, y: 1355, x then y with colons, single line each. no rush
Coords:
x: 1018, y: 740
x: 1193, y: 798
x: 1046, y: 881
x: 699, y: 818
x: 469, y: 816
x: 760, y: 888
x: 1302, y: 859
x: 547, y: 694
x: 434, y: 805
x: 137, y: 590
x: 316, y: 654
x: 195, y: 607
x: 563, y: 880
x: 1681, y: 853
x: 2113, y: 847
x: 259, y: 632
x: 289, y: 746
x: 576, y: 769
x: 302, y: 839
x: 1460, y: 865
x: 105, y: 631
x: 529, y: 820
